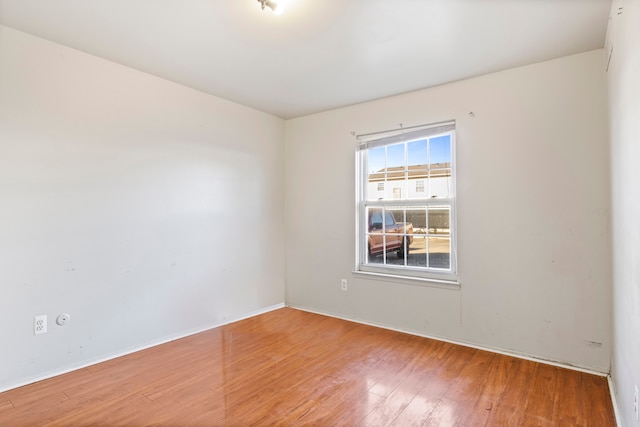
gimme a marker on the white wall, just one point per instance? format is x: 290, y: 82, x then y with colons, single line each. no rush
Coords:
x: 624, y: 104
x: 533, y: 213
x: 142, y: 208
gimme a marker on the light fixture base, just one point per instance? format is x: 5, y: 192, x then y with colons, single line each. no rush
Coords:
x: 276, y: 7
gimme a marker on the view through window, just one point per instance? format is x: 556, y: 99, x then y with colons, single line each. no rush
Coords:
x: 406, y: 202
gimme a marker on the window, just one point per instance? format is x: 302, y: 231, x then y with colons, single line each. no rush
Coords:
x: 406, y: 203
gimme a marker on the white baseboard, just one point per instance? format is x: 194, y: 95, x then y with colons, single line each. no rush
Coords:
x: 145, y: 346
x: 614, y: 401
x: 462, y: 343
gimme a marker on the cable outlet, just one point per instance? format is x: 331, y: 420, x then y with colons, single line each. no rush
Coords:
x: 343, y: 284
x: 40, y: 325
x: 63, y: 319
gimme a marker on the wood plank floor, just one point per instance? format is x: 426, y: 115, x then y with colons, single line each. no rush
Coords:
x: 293, y: 368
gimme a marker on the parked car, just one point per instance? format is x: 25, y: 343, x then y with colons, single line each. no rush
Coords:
x: 388, y: 235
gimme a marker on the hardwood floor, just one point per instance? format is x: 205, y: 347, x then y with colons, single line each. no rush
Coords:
x: 293, y: 368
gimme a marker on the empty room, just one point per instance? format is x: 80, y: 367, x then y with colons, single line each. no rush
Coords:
x: 319, y: 212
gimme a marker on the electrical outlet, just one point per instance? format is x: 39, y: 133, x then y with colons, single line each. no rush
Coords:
x: 40, y: 325
x: 635, y: 403
x: 343, y: 284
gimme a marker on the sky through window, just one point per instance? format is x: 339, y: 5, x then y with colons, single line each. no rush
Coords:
x: 421, y: 152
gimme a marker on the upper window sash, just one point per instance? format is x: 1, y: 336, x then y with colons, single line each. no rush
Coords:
x: 379, y: 139
x: 389, y: 171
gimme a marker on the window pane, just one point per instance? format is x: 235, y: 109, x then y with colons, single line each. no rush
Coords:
x: 375, y: 219
x: 375, y: 258
x: 376, y: 159
x: 395, y: 232
x: 395, y: 156
x: 417, y: 160
x: 375, y: 234
x: 396, y: 187
x: 417, y: 216
x: 418, y: 176
x: 439, y: 220
x: 440, y: 183
x: 417, y: 255
x: 440, y: 150
x: 389, y: 218
x: 417, y: 153
x: 440, y: 252
x: 376, y: 176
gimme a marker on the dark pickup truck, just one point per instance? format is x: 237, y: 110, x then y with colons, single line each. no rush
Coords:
x: 395, y: 232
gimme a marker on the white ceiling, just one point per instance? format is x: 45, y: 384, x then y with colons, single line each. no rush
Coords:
x: 319, y: 54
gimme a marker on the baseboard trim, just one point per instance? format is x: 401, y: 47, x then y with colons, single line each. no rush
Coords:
x: 131, y: 350
x: 462, y: 343
x: 614, y: 401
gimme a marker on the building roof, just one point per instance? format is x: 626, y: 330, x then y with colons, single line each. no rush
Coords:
x: 433, y: 170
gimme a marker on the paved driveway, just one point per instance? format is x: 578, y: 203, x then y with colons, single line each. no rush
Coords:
x: 438, y: 253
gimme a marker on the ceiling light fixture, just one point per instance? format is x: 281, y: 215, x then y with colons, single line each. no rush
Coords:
x: 276, y: 7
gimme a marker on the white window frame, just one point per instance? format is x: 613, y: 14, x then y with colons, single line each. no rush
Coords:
x: 406, y: 135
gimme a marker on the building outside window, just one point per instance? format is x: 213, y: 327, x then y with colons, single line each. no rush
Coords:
x: 406, y: 203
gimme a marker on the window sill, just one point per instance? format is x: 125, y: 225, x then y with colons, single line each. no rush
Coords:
x: 409, y: 280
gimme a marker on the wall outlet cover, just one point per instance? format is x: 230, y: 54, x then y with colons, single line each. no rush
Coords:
x: 40, y: 325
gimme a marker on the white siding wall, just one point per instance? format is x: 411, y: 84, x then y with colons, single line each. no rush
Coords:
x: 534, y: 232
x: 144, y: 209
x: 439, y: 186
